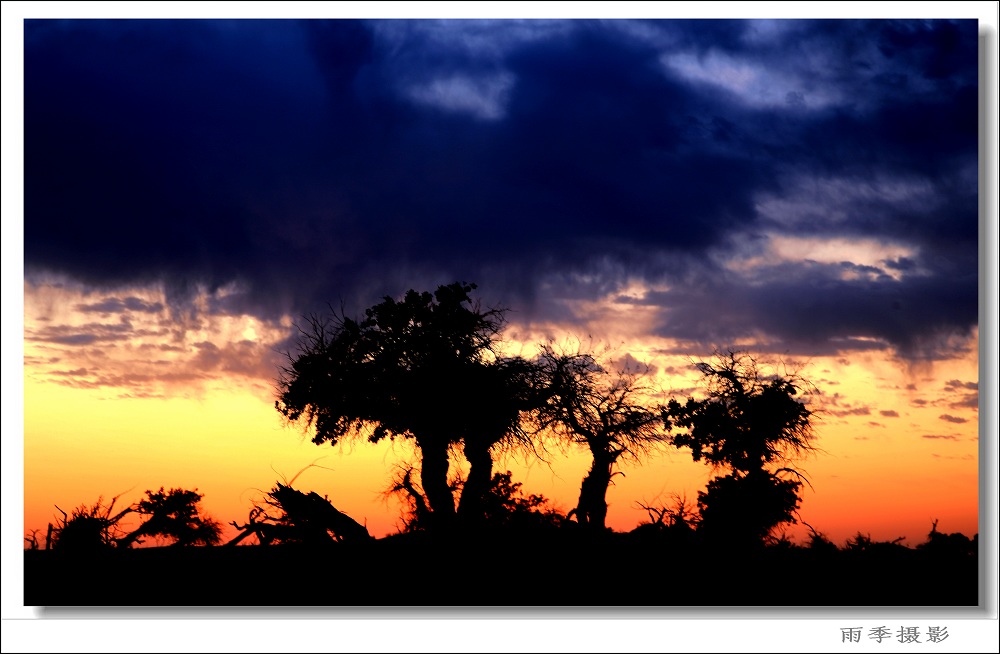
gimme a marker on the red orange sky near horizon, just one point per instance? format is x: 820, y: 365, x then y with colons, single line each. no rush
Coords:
x: 122, y: 395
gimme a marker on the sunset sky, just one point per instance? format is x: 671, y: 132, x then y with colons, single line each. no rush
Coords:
x: 807, y: 190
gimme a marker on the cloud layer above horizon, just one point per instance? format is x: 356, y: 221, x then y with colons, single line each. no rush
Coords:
x: 809, y: 186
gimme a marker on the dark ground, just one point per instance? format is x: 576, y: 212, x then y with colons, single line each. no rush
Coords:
x: 557, y: 570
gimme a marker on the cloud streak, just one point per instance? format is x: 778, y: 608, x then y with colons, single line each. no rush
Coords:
x: 139, y: 348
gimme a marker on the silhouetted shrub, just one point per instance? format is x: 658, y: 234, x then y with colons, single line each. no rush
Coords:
x: 744, y: 509
x: 89, y: 528
x: 952, y: 545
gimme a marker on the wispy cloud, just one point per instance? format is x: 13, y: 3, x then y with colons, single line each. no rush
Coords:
x: 140, y: 348
x: 119, y: 305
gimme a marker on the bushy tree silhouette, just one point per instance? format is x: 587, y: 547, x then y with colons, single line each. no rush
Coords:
x: 506, y: 505
x: 604, y: 411
x: 426, y: 367
x: 746, y: 506
x: 174, y: 514
x: 747, y: 423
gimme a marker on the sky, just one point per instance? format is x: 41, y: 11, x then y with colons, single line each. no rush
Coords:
x: 806, y: 190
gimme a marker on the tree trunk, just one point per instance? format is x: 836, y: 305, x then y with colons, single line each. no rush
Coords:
x: 470, y: 504
x: 592, y: 507
x: 434, y: 479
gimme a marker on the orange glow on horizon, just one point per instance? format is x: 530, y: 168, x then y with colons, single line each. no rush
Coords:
x: 898, y: 447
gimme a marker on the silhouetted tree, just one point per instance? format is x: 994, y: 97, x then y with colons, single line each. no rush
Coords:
x: 746, y: 424
x: 174, y: 514
x: 603, y: 411
x: 425, y: 367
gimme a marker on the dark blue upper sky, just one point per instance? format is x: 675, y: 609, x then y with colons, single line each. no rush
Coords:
x: 707, y: 160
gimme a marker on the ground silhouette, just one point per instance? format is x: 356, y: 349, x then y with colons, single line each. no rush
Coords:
x: 297, y: 549
x: 522, y: 566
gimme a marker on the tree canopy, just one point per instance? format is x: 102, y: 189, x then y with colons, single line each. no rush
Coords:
x: 603, y: 411
x: 747, y: 424
x: 174, y: 514
x: 427, y: 368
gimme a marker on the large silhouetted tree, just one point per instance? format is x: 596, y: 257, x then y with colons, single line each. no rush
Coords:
x: 752, y: 425
x: 603, y: 410
x: 425, y: 367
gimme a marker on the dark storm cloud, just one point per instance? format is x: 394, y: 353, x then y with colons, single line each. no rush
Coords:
x: 813, y: 308
x: 304, y: 162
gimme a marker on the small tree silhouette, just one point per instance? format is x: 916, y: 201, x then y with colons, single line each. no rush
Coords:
x: 746, y: 424
x: 174, y: 514
x: 506, y: 505
x: 603, y: 411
